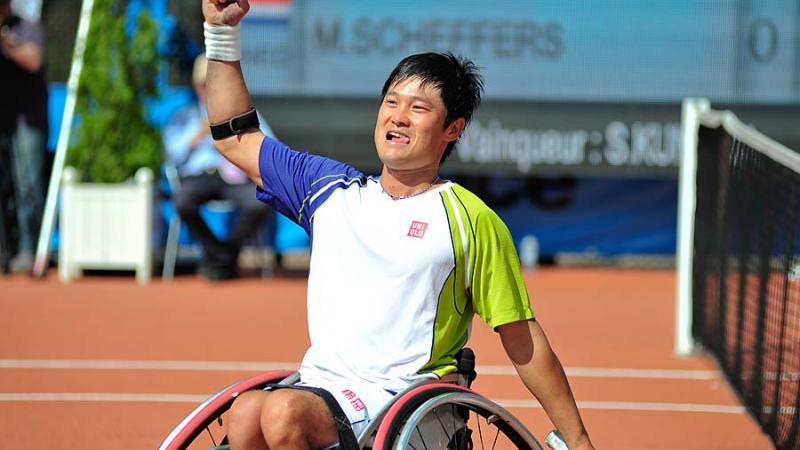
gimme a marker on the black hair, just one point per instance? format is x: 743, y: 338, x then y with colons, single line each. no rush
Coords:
x: 458, y: 80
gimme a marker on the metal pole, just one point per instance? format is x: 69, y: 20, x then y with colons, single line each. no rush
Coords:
x: 43, y: 246
x: 691, y: 110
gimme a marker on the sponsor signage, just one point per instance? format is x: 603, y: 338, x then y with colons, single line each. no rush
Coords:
x: 614, y: 50
x: 624, y: 145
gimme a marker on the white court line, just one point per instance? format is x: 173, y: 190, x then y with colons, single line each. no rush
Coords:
x: 99, y: 397
x: 506, y: 403
x: 635, y: 406
x: 607, y: 372
x: 125, y: 364
x: 86, y: 364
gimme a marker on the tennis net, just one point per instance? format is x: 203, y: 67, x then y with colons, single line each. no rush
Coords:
x: 739, y: 263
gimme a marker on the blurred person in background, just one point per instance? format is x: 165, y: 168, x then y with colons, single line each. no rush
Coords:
x: 204, y: 176
x: 23, y: 136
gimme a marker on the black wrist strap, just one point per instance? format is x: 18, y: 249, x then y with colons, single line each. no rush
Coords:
x: 235, y: 125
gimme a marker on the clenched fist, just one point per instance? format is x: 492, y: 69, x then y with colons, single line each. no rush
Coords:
x: 225, y: 12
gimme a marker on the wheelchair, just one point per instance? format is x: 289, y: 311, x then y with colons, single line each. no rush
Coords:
x: 429, y: 415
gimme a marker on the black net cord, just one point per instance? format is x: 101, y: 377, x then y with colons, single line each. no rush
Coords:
x: 767, y: 238
x: 700, y: 246
x: 789, y: 248
x: 724, y: 232
x: 710, y: 262
x: 792, y: 437
x: 742, y: 188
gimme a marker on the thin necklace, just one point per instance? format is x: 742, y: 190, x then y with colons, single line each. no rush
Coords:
x: 401, y: 197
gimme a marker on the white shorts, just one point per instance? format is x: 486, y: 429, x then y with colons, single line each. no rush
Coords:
x: 360, y: 402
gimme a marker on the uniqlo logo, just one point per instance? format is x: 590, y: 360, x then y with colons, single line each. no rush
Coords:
x: 417, y: 229
x: 348, y: 394
x: 358, y: 405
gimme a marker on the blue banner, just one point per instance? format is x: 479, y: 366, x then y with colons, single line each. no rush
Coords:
x: 613, y: 50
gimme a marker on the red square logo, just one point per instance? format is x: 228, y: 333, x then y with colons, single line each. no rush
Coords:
x: 417, y: 229
x: 358, y: 405
x: 349, y: 394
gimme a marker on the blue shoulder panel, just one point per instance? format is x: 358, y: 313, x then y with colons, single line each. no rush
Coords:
x: 295, y: 183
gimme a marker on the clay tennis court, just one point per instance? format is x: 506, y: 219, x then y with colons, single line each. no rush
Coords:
x: 104, y: 363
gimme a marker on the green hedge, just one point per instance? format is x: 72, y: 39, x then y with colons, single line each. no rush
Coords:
x: 112, y: 138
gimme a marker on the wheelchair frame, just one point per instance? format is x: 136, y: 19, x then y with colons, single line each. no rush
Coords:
x: 391, y: 428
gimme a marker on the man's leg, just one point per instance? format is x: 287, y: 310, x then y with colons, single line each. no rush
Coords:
x: 282, y: 419
x: 194, y: 192
x: 28, y: 158
x: 244, y: 422
x: 7, y: 208
x: 250, y: 216
x: 251, y: 213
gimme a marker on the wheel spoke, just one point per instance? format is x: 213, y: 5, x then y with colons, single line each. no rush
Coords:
x: 441, y: 423
x: 480, y: 431
x: 421, y: 439
x: 213, y: 441
x: 497, y: 435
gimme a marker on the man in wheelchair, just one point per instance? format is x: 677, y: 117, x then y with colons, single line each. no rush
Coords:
x: 400, y: 261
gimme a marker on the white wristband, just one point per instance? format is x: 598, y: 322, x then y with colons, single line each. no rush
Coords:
x: 223, y: 42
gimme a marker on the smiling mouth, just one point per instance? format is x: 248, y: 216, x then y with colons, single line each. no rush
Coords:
x: 397, y: 138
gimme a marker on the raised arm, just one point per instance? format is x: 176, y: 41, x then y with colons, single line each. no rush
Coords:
x: 540, y: 370
x: 228, y: 96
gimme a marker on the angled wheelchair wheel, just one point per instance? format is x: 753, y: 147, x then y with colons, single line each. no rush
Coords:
x: 204, y: 427
x: 449, y: 417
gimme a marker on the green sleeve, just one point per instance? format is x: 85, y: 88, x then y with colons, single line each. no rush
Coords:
x: 498, y: 290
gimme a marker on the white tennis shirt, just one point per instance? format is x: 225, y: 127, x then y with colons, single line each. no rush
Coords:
x: 393, y: 284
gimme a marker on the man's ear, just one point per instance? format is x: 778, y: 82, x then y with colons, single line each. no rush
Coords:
x: 455, y: 129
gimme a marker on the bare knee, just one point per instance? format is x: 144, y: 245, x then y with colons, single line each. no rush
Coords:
x: 280, y: 419
x: 244, y: 421
x: 293, y: 419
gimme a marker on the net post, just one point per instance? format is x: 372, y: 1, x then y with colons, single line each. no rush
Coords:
x: 691, y: 111
x: 42, y: 257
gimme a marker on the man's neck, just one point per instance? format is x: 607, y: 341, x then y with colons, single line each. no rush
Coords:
x: 407, y: 183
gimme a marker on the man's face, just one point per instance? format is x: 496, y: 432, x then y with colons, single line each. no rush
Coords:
x: 409, y: 131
